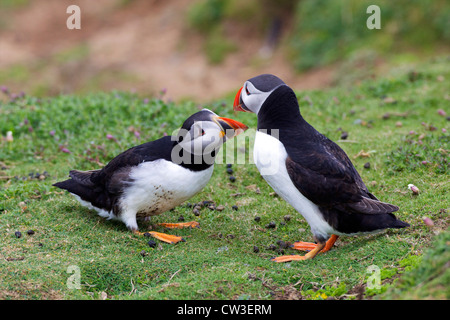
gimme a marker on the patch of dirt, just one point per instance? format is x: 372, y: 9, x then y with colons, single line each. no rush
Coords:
x: 141, y: 45
x: 25, y: 291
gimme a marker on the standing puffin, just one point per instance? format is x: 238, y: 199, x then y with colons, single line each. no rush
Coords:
x: 308, y: 170
x: 156, y: 176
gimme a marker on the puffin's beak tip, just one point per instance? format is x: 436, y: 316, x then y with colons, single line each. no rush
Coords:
x: 237, y: 126
x: 237, y: 105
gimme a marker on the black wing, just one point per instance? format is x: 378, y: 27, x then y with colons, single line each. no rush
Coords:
x: 115, y: 174
x: 324, y: 174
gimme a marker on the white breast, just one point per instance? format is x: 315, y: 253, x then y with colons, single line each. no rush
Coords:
x: 270, y: 158
x: 160, y: 185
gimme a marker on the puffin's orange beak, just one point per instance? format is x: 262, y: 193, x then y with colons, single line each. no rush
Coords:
x: 237, y: 105
x: 227, y: 123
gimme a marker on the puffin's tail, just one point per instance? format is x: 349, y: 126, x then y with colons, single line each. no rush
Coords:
x: 349, y: 222
x: 79, y: 184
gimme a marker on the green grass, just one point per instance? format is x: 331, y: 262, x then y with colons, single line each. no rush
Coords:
x: 218, y: 260
x: 329, y: 31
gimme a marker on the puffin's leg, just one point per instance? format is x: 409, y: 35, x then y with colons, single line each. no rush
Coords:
x: 315, y: 249
x: 307, y: 256
x: 330, y: 243
x: 308, y: 246
x: 161, y: 236
x: 180, y: 225
x: 170, y: 238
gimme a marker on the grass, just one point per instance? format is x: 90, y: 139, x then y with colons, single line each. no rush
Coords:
x: 218, y: 261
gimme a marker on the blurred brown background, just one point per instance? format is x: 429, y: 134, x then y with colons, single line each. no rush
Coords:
x: 194, y: 49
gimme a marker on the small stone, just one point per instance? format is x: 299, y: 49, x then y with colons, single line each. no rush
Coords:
x: 428, y: 221
x: 413, y: 188
x: 18, y: 234
x: 229, y: 165
x: 344, y: 135
x: 152, y: 244
x: 235, y: 207
x: 181, y: 218
x: 282, y: 244
x: 367, y: 165
x: 287, y: 218
x: 255, y: 249
x: 389, y: 100
x: 257, y: 218
x: 30, y: 232
x: 196, y: 212
x: 220, y: 207
x: 232, y: 178
x: 230, y: 171
x: 271, y: 225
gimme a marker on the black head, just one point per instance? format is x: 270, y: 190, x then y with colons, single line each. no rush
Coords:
x: 205, y: 131
x: 255, y: 91
x: 266, y: 82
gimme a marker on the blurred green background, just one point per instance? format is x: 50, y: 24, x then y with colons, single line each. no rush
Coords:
x: 205, y: 49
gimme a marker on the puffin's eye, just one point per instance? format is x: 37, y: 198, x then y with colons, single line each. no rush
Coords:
x: 246, y: 90
x: 203, y: 132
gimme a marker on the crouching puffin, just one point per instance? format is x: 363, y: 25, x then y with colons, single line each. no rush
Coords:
x: 156, y: 176
x: 308, y: 170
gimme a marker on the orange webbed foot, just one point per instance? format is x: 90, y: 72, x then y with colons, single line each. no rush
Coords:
x: 180, y: 225
x: 313, y: 249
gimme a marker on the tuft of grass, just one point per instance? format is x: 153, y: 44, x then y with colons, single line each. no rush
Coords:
x: 430, y: 152
x: 428, y: 279
x: 218, y: 260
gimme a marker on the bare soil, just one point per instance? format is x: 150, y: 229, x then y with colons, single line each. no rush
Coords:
x: 141, y: 45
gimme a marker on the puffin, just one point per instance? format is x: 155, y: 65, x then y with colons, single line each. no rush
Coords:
x: 154, y: 177
x: 308, y: 170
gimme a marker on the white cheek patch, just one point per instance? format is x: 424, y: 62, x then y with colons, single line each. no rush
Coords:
x: 204, y: 146
x: 256, y: 98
